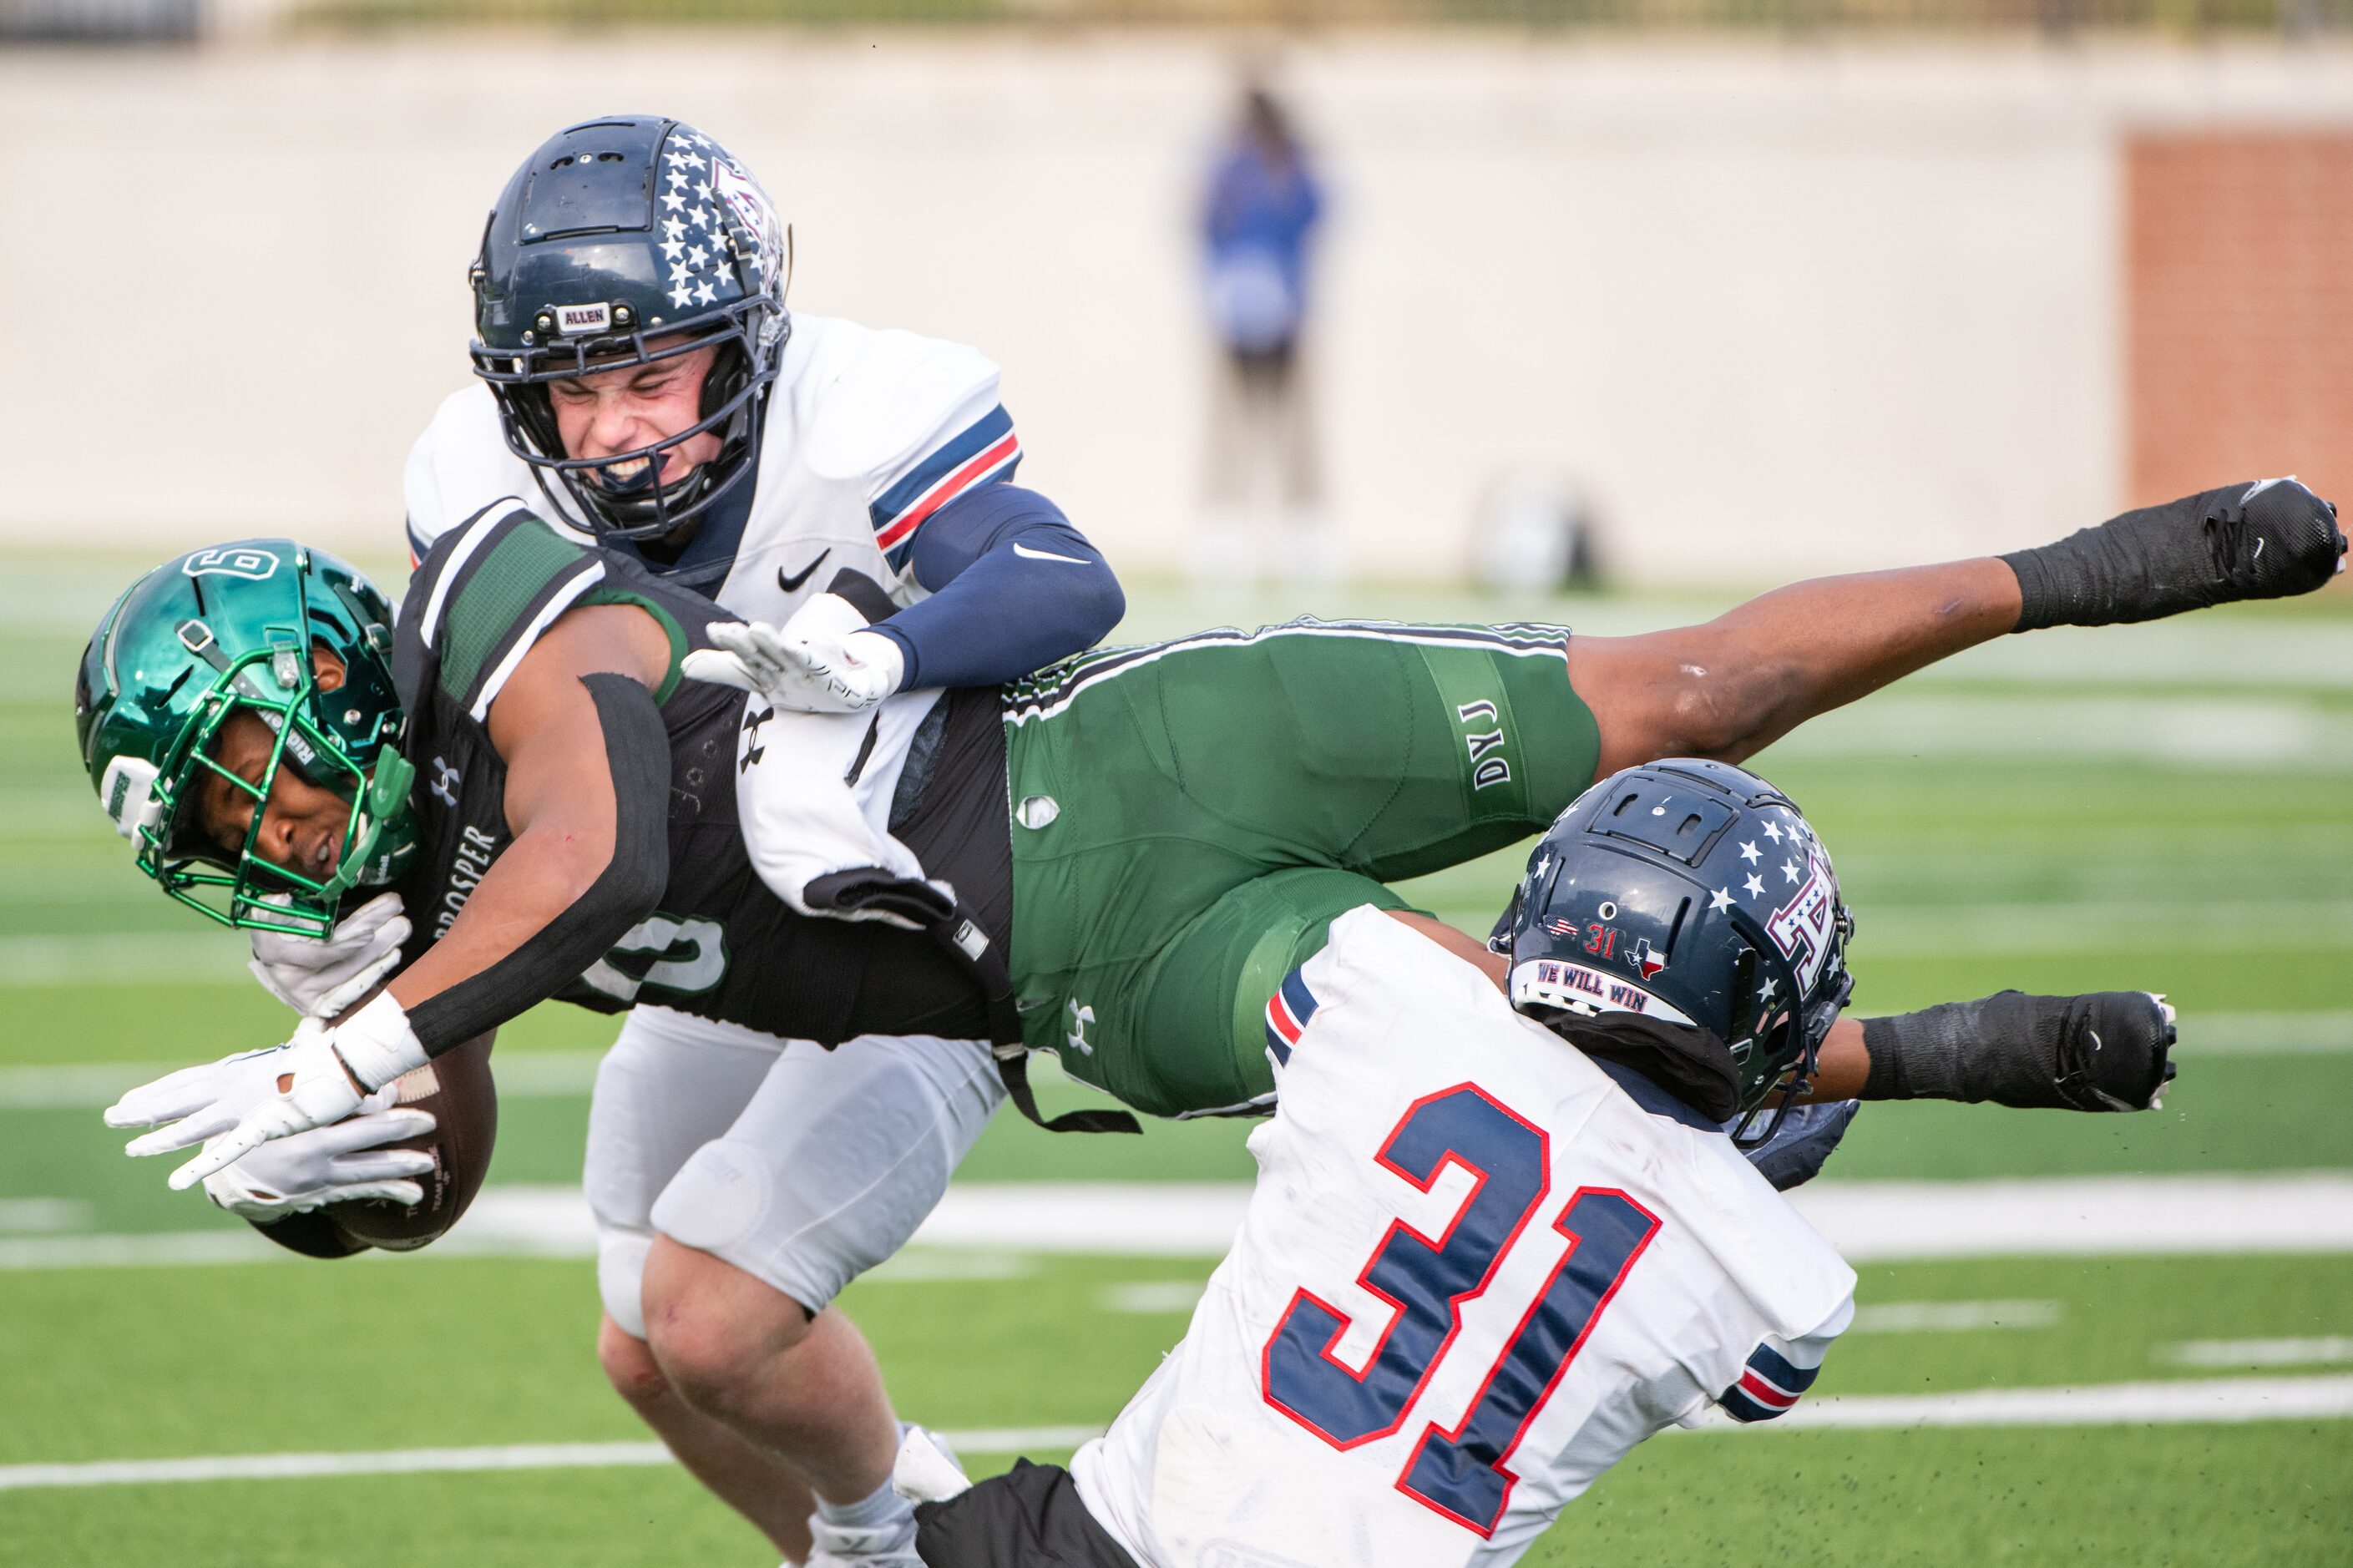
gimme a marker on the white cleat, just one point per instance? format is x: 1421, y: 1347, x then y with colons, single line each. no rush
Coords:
x: 925, y: 1471
x: 888, y: 1545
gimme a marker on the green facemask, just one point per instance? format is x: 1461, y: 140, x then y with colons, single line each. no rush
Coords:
x: 239, y: 628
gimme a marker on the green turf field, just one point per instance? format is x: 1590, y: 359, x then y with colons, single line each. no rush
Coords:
x: 2167, y: 808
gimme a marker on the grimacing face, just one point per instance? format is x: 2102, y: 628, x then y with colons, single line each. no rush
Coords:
x: 302, y: 823
x: 628, y: 407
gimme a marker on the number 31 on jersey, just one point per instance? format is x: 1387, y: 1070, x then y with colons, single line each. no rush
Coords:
x: 1463, y: 1473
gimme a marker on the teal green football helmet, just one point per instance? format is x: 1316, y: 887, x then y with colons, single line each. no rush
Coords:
x: 236, y: 628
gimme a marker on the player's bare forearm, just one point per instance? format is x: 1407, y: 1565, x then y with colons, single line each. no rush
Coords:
x: 1729, y: 687
x: 1844, y: 1066
x: 581, y: 782
x: 533, y: 882
x: 1739, y: 682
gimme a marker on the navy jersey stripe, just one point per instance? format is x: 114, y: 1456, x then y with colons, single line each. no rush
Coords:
x: 1778, y: 1369
x: 943, y: 461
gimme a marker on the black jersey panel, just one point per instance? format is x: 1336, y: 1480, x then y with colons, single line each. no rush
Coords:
x: 501, y: 600
x: 719, y: 943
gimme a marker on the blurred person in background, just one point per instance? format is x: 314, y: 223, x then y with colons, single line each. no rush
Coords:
x: 1259, y: 218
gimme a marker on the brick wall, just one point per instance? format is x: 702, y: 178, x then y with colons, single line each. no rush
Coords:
x: 2239, y: 312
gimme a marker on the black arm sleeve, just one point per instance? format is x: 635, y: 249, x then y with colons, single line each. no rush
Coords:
x: 636, y: 751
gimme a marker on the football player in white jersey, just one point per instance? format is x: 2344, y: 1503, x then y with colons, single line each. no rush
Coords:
x: 1472, y: 1279
x: 642, y: 377
x: 642, y: 382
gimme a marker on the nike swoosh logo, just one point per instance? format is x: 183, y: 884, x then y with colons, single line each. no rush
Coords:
x: 1021, y: 549
x: 793, y: 584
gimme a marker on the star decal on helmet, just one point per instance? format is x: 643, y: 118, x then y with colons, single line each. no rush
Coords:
x: 698, y: 245
x: 637, y: 237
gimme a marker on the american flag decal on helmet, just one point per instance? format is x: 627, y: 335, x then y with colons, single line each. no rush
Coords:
x: 1287, y: 1012
x: 1769, y: 1386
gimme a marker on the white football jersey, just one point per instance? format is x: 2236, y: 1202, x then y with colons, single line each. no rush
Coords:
x: 1474, y: 1273
x: 869, y: 433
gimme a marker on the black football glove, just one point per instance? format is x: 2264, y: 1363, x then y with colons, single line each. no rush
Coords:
x: 2267, y: 540
x: 2106, y: 1051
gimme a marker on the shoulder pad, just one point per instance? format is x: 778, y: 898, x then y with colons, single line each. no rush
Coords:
x: 459, y: 466
x: 880, y: 400
x: 484, y: 593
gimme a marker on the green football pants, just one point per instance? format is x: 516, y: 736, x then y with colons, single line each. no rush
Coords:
x: 1189, y: 817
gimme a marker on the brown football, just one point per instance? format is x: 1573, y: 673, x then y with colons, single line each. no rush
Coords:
x: 456, y: 1087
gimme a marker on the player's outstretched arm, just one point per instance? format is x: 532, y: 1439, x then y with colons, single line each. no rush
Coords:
x: 586, y: 792
x: 587, y: 795
x: 2109, y: 1050
x: 1730, y: 687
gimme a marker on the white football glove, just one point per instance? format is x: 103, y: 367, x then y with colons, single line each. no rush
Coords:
x: 823, y: 660
x: 320, y: 978
x: 344, y: 1162
x: 205, y: 1100
x: 236, y: 1105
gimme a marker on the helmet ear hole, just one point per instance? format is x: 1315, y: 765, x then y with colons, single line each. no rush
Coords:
x: 534, y: 416
x: 729, y: 368
x: 1744, y: 995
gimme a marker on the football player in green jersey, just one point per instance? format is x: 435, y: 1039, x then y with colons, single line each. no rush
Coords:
x: 572, y: 790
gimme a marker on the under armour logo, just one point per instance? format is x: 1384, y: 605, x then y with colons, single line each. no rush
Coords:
x: 1077, y: 1037
x: 753, y: 750
x: 444, y: 787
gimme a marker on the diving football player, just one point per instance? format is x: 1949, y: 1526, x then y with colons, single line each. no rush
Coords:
x: 577, y: 802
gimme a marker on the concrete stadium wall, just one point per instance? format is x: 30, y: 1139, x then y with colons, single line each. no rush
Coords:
x: 1777, y: 307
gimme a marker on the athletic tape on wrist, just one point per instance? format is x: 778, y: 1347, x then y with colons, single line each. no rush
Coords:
x: 376, y: 1043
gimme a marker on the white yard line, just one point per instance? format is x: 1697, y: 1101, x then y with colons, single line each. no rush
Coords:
x: 420, y: 1461
x: 1152, y: 1297
x: 2230, y: 1399
x: 2298, y: 1212
x: 2126, y: 1404
x: 1868, y: 1221
x: 522, y: 1075
x: 1951, y: 1317
x: 2085, y: 1217
x: 43, y: 1216
x: 2325, y: 1350
x: 2249, y: 732
x: 538, y: 1075
x: 2266, y: 1034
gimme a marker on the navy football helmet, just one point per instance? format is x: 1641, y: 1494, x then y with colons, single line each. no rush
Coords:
x: 620, y: 242
x: 1694, y: 893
